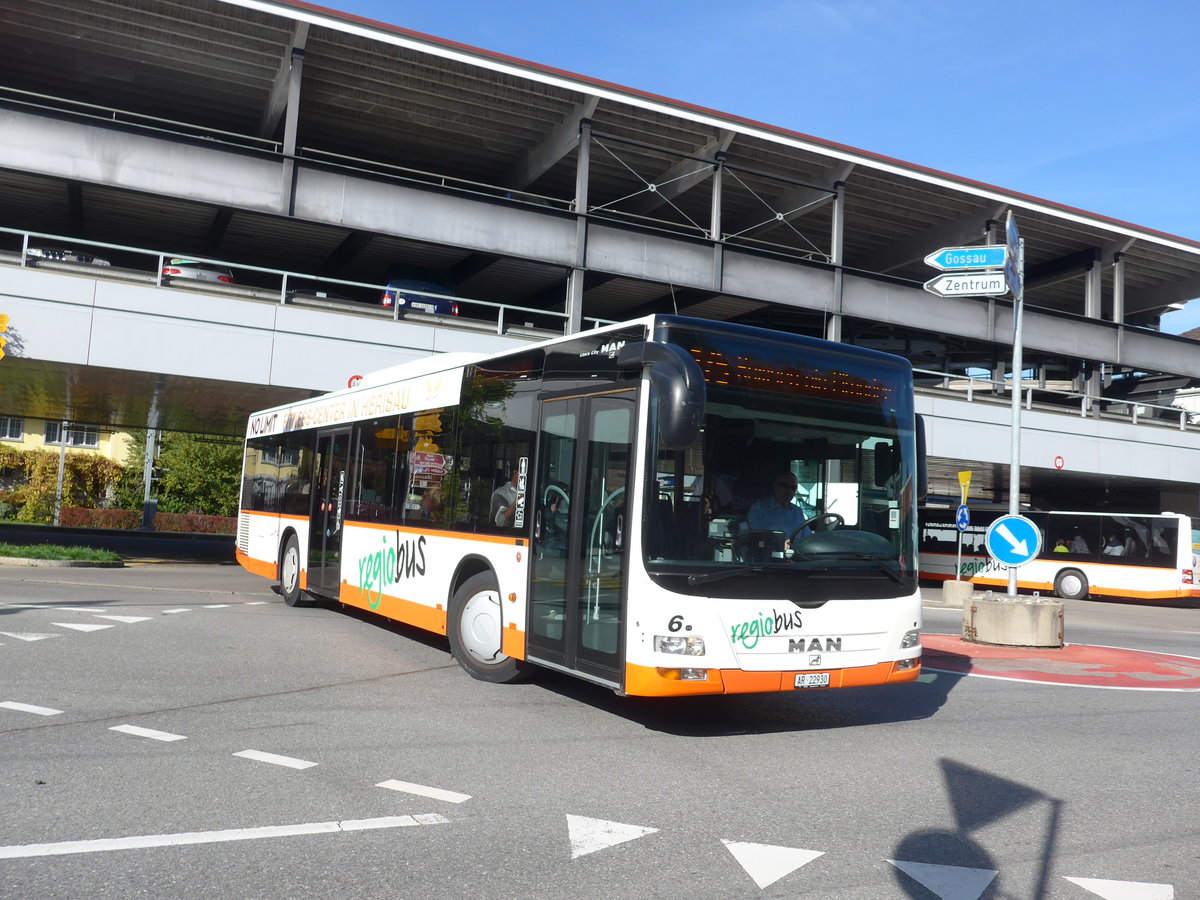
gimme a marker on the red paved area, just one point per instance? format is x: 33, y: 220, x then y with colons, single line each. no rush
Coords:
x: 1074, y: 664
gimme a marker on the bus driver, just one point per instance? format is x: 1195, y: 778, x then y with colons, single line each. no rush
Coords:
x: 780, y: 511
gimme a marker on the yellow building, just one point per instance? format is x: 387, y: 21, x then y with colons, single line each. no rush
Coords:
x: 25, y: 433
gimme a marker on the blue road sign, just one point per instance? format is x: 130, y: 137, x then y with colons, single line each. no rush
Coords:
x: 962, y: 519
x: 1014, y: 266
x: 989, y: 256
x: 1013, y: 540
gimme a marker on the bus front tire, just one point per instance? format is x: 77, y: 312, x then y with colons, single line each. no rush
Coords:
x: 289, y: 573
x: 1071, y: 584
x: 474, y: 628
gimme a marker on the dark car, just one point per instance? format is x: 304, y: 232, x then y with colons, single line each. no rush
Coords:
x: 418, y: 291
x: 64, y: 255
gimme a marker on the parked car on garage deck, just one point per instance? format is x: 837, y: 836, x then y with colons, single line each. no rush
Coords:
x: 64, y: 255
x: 196, y: 270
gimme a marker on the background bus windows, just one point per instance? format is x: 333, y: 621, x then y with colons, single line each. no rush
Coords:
x: 277, y: 475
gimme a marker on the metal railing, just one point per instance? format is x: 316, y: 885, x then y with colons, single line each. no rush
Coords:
x: 288, y: 287
x: 1035, y: 396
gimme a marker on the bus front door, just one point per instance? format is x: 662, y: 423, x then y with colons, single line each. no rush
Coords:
x: 329, y: 501
x: 580, y: 535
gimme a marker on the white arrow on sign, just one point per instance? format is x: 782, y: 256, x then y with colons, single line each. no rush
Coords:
x: 972, y: 284
x: 1019, y: 547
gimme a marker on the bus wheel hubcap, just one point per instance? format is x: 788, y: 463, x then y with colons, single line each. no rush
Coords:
x: 480, y: 627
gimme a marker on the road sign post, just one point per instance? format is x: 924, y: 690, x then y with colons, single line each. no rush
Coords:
x: 1014, y: 275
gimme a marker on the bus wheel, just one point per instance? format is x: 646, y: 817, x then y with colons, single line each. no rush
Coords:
x: 289, y: 573
x: 474, y: 627
x: 1071, y: 584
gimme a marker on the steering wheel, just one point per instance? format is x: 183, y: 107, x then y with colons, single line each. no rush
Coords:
x: 837, y: 521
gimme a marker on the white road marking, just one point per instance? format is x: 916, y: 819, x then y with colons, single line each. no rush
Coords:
x: 766, y: 863
x: 1124, y: 890
x: 257, y: 603
x: 422, y: 791
x: 213, y: 837
x: 216, y: 605
x: 128, y: 620
x: 275, y: 759
x: 28, y: 635
x: 30, y: 708
x: 177, y: 610
x: 80, y: 626
x: 948, y: 882
x: 138, y: 731
x: 589, y: 835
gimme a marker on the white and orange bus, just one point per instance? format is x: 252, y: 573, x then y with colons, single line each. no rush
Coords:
x: 582, y: 504
x: 1131, y: 556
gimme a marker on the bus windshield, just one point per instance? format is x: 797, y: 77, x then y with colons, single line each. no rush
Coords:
x: 800, y: 482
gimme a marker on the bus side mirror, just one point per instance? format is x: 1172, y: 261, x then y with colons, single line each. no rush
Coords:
x: 922, y: 469
x: 678, y: 386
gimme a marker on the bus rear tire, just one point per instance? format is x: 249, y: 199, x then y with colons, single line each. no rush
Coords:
x: 289, y: 573
x: 474, y: 629
x: 1071, y: 584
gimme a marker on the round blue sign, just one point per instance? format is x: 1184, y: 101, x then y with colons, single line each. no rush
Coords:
x: 1013, y: 540
x: 962, y: 519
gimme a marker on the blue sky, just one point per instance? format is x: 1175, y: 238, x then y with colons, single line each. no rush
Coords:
x: 1089, y: 104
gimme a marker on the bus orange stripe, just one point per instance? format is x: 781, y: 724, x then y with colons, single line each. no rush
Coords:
x: 431, y: 618
x: 255, y: 566
x: 645, y: 681
x: 462, y: 535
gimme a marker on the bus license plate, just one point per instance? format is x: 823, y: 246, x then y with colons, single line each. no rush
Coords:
x: 812, y: 679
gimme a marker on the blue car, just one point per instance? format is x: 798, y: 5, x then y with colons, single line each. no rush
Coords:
x: 419, y: 296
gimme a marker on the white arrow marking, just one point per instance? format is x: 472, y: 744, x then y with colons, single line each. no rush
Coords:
x: 79, y: 626
x: 766, y: 863
x: 589, y: 835
x: 1124, y: 890
x: 213, y: 837
x: 138, y: 731
x: 29, y: 708
x: 422, y: 791
x: 1019, y: 547
x: 28, y: 635
x: 948, y: 882
x: 128, y: 620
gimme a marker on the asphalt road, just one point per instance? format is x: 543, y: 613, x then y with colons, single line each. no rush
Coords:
x: 177, y: 731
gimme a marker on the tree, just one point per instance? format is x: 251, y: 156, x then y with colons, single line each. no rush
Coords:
x: 193, y: 474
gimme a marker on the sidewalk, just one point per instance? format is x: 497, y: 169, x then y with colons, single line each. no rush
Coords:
x: 1079, y: 665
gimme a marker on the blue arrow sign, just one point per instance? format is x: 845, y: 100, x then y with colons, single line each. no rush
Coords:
x: 1014, y: 265
x: 991, y: 256
x: 962, y: 520
x: 1013, y: 540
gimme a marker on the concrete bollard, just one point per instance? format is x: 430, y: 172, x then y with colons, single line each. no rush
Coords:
x: 956, y: 593
x: 1013, y: 622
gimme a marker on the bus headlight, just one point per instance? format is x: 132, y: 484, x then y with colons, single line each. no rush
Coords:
x: 911, y: 639
x: 675, y: 643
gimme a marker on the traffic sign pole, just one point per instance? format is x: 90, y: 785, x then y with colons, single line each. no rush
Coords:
x: 1016, y: 253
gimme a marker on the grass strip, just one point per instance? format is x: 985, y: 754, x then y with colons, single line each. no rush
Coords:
x: 55, y: 551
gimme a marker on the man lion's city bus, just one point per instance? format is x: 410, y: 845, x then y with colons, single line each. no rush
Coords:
x: 581, y: 504
x: 1131, y: 556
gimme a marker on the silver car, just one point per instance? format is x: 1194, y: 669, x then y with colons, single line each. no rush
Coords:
x: 198, y: 271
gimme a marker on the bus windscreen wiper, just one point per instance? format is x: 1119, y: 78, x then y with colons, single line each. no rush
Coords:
x: 722, y: 574
x: 887, y: 566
